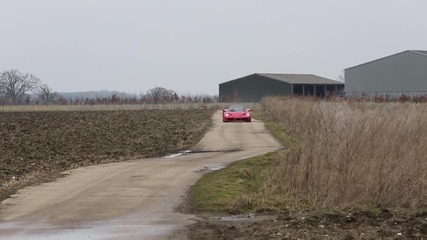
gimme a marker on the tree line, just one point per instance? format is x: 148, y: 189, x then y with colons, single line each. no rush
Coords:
x: 17, y: 88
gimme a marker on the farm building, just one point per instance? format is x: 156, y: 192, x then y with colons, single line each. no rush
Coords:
x: 403, y: 73
x: 254, y: 87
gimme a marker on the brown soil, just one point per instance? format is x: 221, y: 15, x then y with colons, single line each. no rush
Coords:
x: 37, y: 146
x: 378, y: 224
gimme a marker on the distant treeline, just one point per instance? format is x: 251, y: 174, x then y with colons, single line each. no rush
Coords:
x: 17, y: 88
x: 156, y: 95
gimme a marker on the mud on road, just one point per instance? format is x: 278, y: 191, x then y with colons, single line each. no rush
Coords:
x: 37, y: 146
x: 355, y: 224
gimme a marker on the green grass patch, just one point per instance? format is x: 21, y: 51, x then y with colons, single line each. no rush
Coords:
x: 275, y: 129
x: 231, y: 188
x: 234, y: 188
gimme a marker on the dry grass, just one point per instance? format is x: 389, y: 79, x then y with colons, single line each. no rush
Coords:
x: 113, y: 107
x: 348, y: 154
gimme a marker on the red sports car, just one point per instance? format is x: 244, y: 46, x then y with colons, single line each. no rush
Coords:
x: 236, y: 113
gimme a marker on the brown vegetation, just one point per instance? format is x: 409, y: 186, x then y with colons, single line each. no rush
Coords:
x: 36, y: 145
x: 348, y: 154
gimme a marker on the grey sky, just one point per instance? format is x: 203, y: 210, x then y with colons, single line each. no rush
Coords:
x: 193, y: 45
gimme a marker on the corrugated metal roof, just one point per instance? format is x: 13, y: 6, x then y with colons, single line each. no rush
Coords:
x: 421, y: 52
x: 300, y: 78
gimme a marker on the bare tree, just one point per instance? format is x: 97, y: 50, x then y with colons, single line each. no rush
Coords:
x: 46, y: 95
x: 160, y: 95
x: 14, y: 85
x: 141, y: 94
x: 341, y: 78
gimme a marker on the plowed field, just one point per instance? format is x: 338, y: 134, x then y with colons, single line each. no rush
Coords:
x: 37, y: 146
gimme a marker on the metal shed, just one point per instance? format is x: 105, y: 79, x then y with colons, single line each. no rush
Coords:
x: 402, y: 73
x: 254, y: 87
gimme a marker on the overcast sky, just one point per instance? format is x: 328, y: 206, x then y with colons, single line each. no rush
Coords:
x: 193, y: 45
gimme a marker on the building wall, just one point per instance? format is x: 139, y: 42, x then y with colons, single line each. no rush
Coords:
x: 403, y: 73
x: 252, y: 89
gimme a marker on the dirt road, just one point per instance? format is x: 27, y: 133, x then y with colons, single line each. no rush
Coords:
x: 128, y: 200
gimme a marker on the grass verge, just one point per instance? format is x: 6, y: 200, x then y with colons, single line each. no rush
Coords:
x: 231, y: 189
x: 234, y: 188
x: 276, y: 130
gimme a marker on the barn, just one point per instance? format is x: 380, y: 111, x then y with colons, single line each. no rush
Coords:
x: 404, y: 73
x: 254, y: 87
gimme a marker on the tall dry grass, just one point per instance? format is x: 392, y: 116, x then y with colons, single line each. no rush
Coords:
x: 348, y: 154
